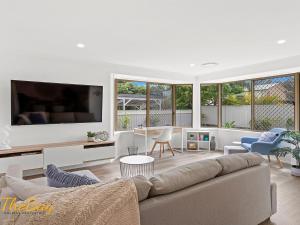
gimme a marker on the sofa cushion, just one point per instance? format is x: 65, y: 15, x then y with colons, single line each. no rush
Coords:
x: 184, y: 176
x: 59, y: 178
x: 231, y: 163
x: 252, y: 158
x: 24, y: 189
x: 143, y: 186
x: 43, y: 180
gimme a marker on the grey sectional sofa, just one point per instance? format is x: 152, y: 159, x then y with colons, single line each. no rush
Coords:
x: 238, y: 195
x: 229, y: 190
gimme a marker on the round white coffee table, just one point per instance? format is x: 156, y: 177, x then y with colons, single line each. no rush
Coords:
x: 134, y: 165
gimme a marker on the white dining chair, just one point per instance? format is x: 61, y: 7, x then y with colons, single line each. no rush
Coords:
x: 163, y: 139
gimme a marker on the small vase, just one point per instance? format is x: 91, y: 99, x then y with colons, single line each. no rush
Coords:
x: 91, y: 139
x: 295, y: 171
x: 213, y: 143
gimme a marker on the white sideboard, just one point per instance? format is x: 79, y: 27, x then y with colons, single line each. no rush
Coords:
x: 61, y: 154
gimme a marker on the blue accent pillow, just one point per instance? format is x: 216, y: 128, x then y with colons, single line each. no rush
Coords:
x: 59, y: 178
x: 267, y: 137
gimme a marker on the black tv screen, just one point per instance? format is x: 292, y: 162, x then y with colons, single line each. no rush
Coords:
x: 53, y: 103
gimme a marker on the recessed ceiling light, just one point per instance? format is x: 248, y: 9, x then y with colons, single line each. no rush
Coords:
x: 280, y: 42
x: 80, y: 45
x: 208, y: 64
x: 192, y: 65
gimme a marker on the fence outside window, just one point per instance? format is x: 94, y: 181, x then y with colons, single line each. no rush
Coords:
x: 274, y: 103
x: 259, y: 104
x: 152, y: 104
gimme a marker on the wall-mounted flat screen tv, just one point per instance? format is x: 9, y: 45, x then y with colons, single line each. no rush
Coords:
x: 52, y: 103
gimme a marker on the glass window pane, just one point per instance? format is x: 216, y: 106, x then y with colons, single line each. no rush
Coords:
x: 236, y: 105
x: 160, y: 105
x: 131, y: 104
x: 274, y: 103
x: 209, y: 105
x: 184, y: 105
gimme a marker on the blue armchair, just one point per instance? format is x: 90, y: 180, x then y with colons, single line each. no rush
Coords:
x: 253, y: 145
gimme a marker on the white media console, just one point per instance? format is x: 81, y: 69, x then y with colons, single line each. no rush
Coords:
x: 61, y: 154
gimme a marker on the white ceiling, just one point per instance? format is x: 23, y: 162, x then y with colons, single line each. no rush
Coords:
x: 159, y: 34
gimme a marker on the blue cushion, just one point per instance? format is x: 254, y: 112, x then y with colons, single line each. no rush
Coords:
x: 247, y: 146
x: 267, y: 137
x: 59, y: 178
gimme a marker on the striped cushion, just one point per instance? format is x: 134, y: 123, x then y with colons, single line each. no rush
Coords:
x: 59, y: 178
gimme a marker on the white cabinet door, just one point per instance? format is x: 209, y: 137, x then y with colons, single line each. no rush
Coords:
x: 26, y: 162
x: 63, y: 156
x: 91, y: 154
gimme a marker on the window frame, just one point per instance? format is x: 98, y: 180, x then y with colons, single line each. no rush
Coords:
x: 296, y: 99
x: 219, y: 99
x: 296, y: 106
x: 174, y: 102
x: 148, y: 83
x: 221, y: 103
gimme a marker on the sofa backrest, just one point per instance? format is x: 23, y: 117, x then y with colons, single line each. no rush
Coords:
x: 194, y: 173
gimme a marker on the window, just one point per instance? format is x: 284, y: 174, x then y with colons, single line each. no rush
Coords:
x: 260, y: 104
x: 209, y: 105
x: 160, y: 105
x: 236, y: 105
x: 274, y: 103
x: 152, y: 104
x: 184, y: 105
x: 131, y: 104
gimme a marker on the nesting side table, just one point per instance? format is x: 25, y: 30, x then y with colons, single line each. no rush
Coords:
x: 134, y: 165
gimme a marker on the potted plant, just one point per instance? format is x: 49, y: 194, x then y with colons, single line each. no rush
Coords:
x: 125, y: 121
x: 91, y: 136
x: 292, y: 138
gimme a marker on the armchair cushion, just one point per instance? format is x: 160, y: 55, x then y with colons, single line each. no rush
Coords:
x: 247, y: 146
x: 268, y: 136
x: 249, y: 139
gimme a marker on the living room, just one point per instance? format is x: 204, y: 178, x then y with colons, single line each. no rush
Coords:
x: 158, y: 112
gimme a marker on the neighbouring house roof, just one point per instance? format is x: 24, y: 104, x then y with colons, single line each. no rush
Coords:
x: 138, y: 101
x: 141, y: 96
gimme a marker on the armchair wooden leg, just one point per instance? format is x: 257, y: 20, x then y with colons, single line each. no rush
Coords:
x: 168, y: 143
x: 269, y: 158
x: 153, y: 148
x: 279, y: 162
x: 163, y: 148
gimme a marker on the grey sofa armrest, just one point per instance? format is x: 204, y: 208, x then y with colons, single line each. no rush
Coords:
x: 273, y: 198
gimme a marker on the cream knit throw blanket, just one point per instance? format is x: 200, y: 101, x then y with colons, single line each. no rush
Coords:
x: 114, y: 203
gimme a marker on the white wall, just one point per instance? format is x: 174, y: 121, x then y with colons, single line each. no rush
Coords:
x: 26, y: 67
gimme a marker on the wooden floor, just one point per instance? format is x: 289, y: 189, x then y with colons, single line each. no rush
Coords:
x: 288, y: 187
